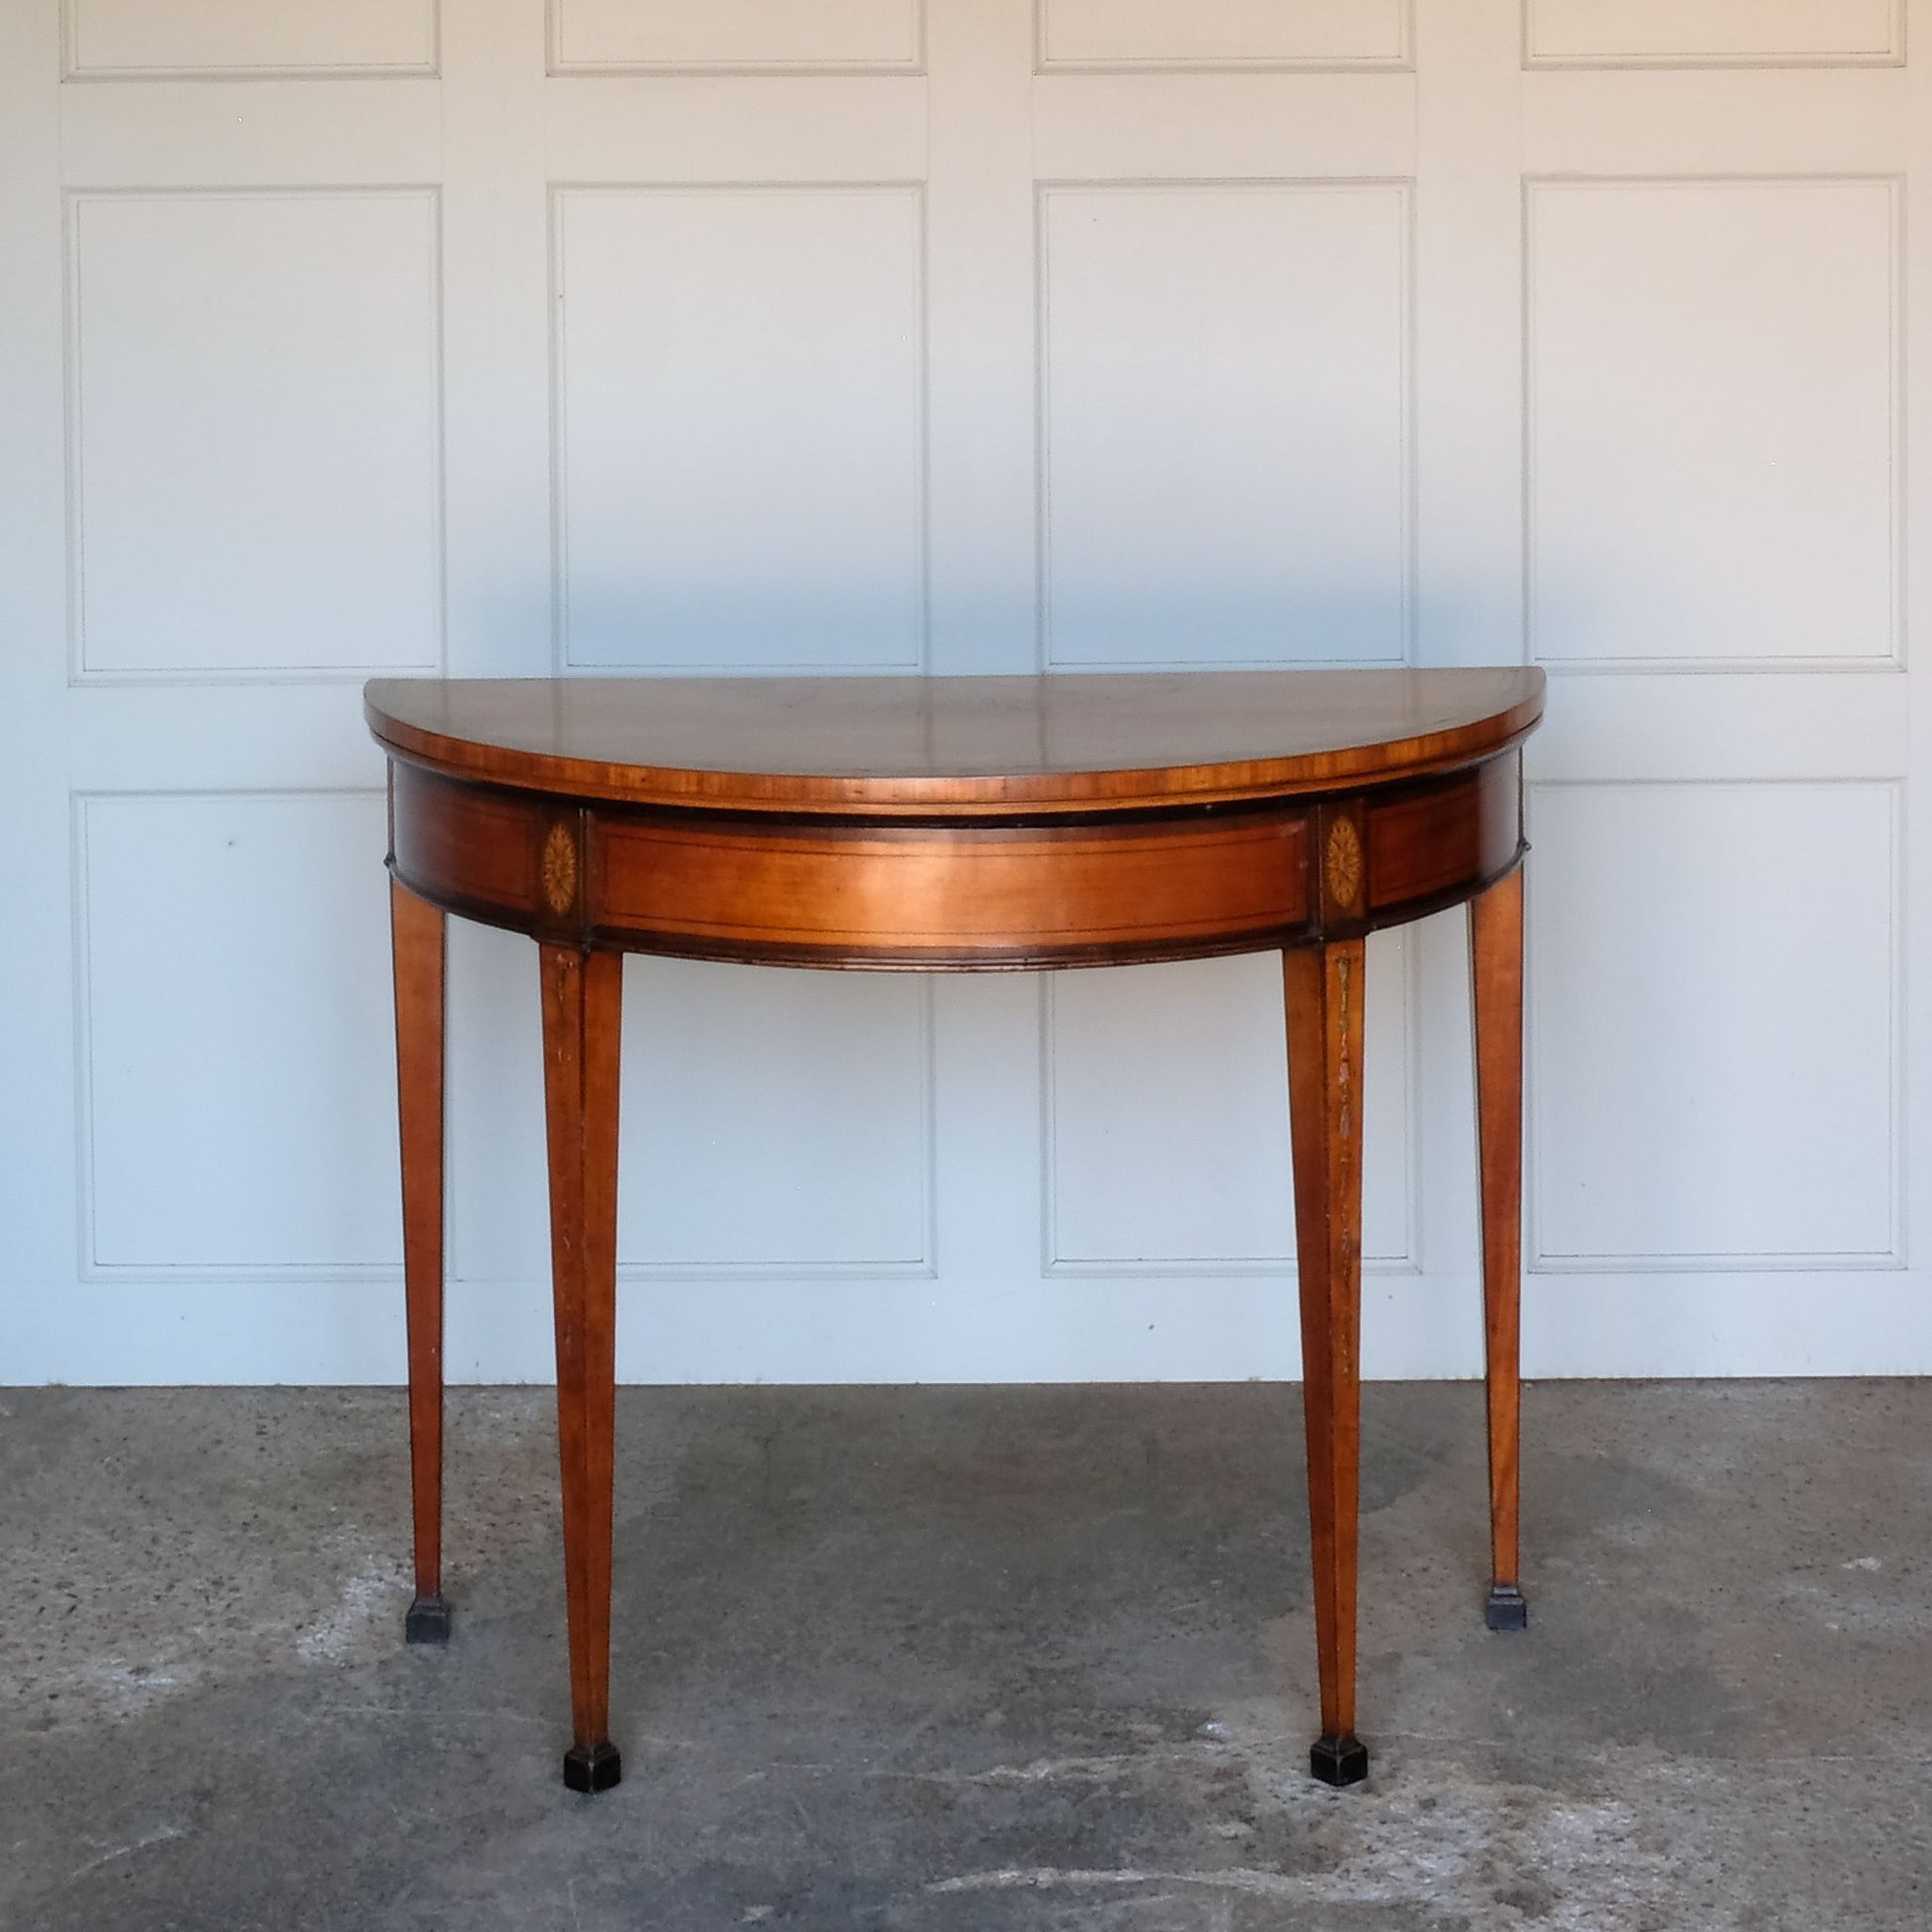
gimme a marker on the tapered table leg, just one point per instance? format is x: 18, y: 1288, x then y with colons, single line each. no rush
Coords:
x: 582, y: 1005
x: 1496, y: 950
x: 1325, y: 1067
x: 417, y: 938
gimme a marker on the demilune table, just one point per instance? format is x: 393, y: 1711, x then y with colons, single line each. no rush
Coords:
x: 956, y: 825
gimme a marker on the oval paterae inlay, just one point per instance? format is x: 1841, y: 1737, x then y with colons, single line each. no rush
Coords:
x: 560, y: 870
x: 1343, y: 863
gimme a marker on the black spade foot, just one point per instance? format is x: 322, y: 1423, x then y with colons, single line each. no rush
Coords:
x: 428, y: 1621
x: 1338, y: 1760
x: 1507, y: 1609
x: 594, y: 1767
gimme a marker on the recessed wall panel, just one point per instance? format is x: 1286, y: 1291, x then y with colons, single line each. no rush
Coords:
x: 254, y: 423
x: 740, y: 428
x: 1225, y: 461
x: 239, y: 1071
x: 1712, y: 32
x: 127, y: 39
x: 1713, y: 423
x: 631, y: 36
x: 776, y: 1120
x: 772, y: 1122
x: 1223, y: 33
x: 1714, y: 1001
x: 1169, y: 1127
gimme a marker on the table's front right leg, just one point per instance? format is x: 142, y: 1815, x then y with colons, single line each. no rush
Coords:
x: 1325, y: 990
x: 582, y: 1008
x: 417, y: 938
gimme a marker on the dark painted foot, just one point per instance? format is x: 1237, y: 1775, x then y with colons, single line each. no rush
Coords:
x: 428, y: 1621
x: 1508, y: 1609
x: 595, y: 1768
x: 1338, y: 1760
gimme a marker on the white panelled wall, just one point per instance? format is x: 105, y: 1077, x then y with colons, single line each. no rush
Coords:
x: 493, y: 338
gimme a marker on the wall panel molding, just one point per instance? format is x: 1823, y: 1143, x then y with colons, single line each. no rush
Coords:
x: 1223, y: 37
x: 748, y: 37
x: 297, y: 41
x: 776, y: 1126
x: 1693, y: 34
x: 175, y: 1269
x: 1855, y: 333
x: 1357, y: 579
x: 311, y: 523
x: 1401, y: 1140
x: 1798, y: 901
x: 800, y: 508
x: 920, y: 1267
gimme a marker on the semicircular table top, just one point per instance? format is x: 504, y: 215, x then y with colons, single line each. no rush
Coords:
x: 866, y: 743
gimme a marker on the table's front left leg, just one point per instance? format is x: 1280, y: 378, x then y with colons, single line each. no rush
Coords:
x: 1496, y: 954
x: 1325, y: 989
x: 418, y: 942
x: 582, y: 1003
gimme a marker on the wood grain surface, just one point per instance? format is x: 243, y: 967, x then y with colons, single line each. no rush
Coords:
x: 963, y: 745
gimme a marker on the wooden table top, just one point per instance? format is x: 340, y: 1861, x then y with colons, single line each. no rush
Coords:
x: 955, y: 745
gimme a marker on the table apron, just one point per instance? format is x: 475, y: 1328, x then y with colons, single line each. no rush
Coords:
x: 829, y: 889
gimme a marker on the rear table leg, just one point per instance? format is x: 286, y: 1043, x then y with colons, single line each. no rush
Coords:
x: 417, y: 937
x: 1496, y: 957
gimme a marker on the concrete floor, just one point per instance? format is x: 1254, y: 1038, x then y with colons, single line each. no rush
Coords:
x: 1020, y: 1658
